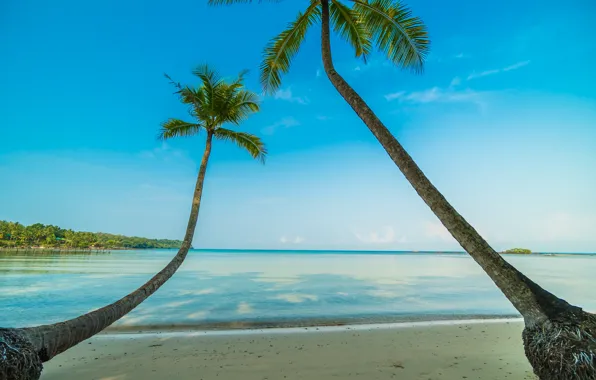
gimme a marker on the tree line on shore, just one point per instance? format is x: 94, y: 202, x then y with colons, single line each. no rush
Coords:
x: 17, y: 235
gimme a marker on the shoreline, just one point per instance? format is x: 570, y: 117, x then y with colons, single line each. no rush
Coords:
x: 309, y: 323
x: 170, y: 333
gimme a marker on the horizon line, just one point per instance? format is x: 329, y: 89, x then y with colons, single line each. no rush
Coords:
x: 376, y: 251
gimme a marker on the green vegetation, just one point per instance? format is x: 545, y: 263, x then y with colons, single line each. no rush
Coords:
x: 519, y: 251
x: 16, y: 235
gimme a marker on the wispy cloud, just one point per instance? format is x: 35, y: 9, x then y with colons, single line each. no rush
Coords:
x: 455, y: 82
x: 515, y: 66
x: 288, y: 96
x: 318, y: 73
x: 323, y: 117
x: 462, y: 56
x: 163, y: 152
x: 373, y: 64
x: 437, y: 94
x: 286, y: 122
x: 386, y: 235
x: 286, y: 240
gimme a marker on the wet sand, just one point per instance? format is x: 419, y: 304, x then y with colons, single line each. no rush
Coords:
x: 483, y: 351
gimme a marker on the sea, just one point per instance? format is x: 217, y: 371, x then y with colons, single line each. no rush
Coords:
x: 223, y: 289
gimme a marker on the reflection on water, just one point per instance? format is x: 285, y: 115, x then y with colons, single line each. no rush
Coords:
x: 253, y: 286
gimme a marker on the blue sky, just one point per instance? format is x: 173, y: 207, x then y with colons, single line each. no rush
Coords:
x: 502, y: 121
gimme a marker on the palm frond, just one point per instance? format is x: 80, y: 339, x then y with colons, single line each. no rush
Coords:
x: 178, y: 128
x: 251, y: 143
x: 172, y: 82
x: 191, y: 96
x: 238, y: 83
x: 211, y: 80
x: 240, y: 106
x: 403, y: 38
x: 281, y: 49
x: 348, y: 25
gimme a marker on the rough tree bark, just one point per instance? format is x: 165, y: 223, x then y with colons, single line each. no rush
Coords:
x: 559, y: 338
x: 23, y: 350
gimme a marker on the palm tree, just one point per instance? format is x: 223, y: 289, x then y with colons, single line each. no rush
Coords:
x: 559, y: 339
x: 213, y: 104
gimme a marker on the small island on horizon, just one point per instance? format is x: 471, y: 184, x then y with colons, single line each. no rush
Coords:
x: 14, y: 235
x: 518, y: 251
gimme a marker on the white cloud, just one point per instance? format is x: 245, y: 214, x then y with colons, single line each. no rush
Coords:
x: 286, y: 240
x: 318, y: 73
x: 437, y: 230
x: 386, y: 235
x: 357, y: 68
x: 286, y: 122
x: 395, y: 95
x: 289, y: 97
x: 515, y: 66
x: 437, y: 94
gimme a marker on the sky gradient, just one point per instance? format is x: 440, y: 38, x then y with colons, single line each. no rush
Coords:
x: 503, y: 121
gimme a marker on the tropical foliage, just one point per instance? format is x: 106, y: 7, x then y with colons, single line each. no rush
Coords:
x: 213, y: 104
x: 519, y: 251
x: 387, y: 25
x: 14, y: 234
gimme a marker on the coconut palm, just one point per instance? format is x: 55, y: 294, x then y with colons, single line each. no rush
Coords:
x: 559, y: 338
x: 213, y: 104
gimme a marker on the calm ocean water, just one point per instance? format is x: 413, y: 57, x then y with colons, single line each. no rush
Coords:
x: 253, y: 286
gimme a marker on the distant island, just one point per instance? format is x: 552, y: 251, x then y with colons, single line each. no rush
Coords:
x: 518, y: 251
x: 16, y: 235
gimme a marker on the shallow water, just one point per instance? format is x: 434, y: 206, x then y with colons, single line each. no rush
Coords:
x: 236, y: 286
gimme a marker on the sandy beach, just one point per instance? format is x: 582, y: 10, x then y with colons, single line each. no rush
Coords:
x: 485, y: 350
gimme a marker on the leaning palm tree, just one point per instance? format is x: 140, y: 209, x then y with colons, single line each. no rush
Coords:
x: 560, y: 339
x: 213, y: 104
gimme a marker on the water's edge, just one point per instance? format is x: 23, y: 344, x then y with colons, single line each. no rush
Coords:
x: 188, y: 333
x: 302, y: 323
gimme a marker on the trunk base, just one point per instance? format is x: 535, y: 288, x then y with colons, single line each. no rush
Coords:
x: 564, y: 349
x: 18, y: 358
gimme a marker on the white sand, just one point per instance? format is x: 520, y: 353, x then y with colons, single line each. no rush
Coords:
x: 481, y: 351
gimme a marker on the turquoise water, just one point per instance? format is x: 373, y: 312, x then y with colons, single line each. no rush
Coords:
x: 252, y: 286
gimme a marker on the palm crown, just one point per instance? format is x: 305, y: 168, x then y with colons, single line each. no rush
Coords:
x: 215, y: 103
x: 388, y: 24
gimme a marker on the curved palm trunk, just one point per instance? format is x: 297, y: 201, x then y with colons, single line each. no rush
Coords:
x: 557, y: 335
x: 23, y: 350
